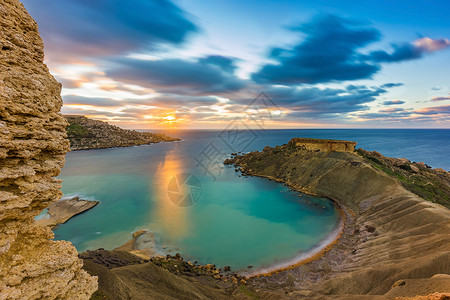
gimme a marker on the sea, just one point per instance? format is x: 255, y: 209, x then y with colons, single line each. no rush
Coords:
x: 194, y: 205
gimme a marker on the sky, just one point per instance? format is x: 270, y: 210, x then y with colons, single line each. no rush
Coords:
x: 192, y: 64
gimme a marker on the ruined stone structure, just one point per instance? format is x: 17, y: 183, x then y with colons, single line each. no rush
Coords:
x: 32, y: 151
x: 323, y: 145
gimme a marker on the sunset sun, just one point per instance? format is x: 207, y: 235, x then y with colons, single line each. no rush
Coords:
x: 169, y: 118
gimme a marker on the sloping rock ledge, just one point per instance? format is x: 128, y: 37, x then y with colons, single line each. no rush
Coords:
x: 61, y: 211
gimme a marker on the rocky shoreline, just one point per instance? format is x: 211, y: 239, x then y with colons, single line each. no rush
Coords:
x: 85, y: 133
x: 128, y: 272
x: 379, y: 251
x: 391, y: 243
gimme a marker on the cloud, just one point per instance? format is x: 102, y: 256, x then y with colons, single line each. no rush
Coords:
x: 165, y: 100
x: 392, y: 110
x: 211, y: 74
x: 100, y: 102
x: 440, y: 98
x: 314, y: 102
x: 409, y: 51
x: 390, y: 114
x: 391, y: 85
x: 436, y: 114
x: 328, y: 53
x: 393, y: 102
x: 71, y: 83
x: 107, y: 27
x: 179, y: 101
x: 444, y: 109
x: 393, y: 116
x: 68, y: 110
x: 429, y: 45
x: 225, y: 63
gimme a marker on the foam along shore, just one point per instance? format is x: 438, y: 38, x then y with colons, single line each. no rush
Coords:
x: 315, y: 252
x: 61, y: 211
x: 142, y: 244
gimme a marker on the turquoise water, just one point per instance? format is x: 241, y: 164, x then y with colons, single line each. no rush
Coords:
x: 234, y: 221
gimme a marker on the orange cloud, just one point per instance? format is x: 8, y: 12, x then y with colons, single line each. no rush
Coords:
x: 444, y: 109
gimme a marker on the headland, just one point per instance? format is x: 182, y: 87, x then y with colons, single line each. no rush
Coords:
x: 85, y: 133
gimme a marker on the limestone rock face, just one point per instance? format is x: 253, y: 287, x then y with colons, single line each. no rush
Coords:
x: 32, y: 150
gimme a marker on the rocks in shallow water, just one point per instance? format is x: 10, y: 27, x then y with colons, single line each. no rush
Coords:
x: 138, y: 233
x: 64, y: 209
x: 229, y: 161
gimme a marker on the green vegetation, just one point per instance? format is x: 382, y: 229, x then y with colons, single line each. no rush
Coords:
x: 77, y: 131
x: 426, y: 183
x: 98, y: 295
x: 243, y: 289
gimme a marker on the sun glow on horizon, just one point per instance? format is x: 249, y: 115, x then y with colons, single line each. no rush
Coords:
x: 197, y: 73
x: 170, y: 118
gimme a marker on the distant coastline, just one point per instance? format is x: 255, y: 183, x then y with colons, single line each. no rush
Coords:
x: 85, y: 134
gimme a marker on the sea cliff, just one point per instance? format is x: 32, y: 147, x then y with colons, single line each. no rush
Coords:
x: 392, y: 237
x: 32, y: 149
x: 85, y: 133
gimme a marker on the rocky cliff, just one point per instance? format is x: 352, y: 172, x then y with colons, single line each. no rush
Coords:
x: 392, y: 241
x: 86, y: 133
x: 32, y: 150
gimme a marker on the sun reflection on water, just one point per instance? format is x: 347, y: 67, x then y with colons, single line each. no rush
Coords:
x: 173, y: 219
